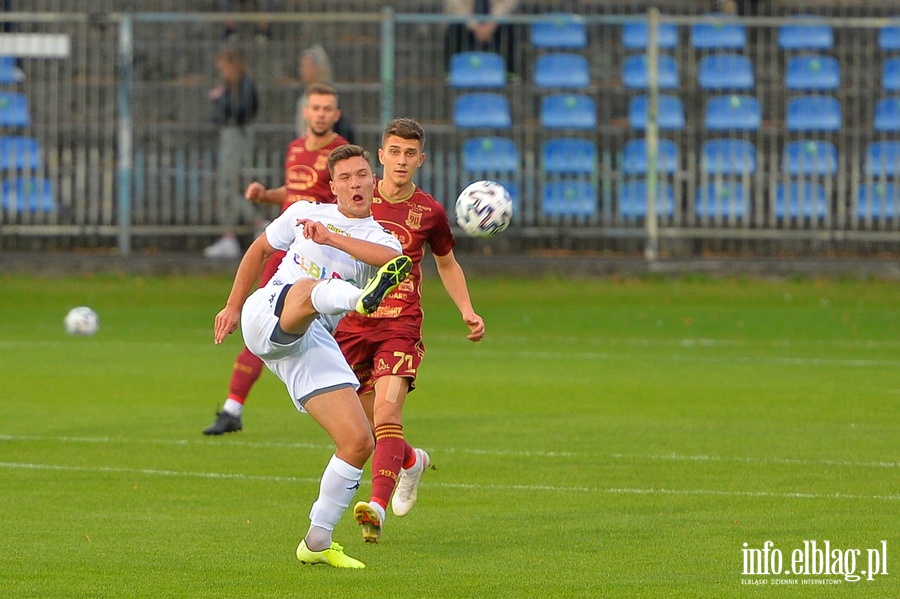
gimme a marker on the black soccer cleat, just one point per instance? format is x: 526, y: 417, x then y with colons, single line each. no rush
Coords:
x: 385, y: 280
x: 225, y: 423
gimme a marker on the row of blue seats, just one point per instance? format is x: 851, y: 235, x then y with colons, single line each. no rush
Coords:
x: 720, y: 71
x: 735, y: 71
x: 720, y: 200
x: 723, y: 113
x: 712, y: 31
x: 717, y: 32
x: 723, y: 156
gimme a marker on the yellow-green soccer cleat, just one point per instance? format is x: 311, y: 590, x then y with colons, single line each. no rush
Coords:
x: 334, y: 556
x: 385, y: 280
x: 370, y: 521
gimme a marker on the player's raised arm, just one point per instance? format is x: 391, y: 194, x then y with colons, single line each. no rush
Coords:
x: 374, y: 254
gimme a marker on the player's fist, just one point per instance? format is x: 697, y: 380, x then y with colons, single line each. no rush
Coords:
x: 255, y: 192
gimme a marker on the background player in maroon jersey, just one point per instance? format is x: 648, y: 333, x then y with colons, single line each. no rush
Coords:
x: 306, y: 179
x: 385, y: 348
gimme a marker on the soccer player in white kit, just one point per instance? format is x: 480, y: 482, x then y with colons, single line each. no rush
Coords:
x: 332, y: 251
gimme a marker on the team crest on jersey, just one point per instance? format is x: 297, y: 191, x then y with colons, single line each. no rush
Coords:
x: 414, y: 220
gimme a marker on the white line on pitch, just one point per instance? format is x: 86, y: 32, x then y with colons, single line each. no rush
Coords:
x: 553, y: 488
x: 465, y: 450
x: 785, y: 361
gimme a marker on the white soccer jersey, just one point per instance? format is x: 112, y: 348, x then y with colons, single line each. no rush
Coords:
x: 307, y: 259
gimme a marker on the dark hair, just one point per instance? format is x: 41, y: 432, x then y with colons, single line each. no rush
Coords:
x: 404, y: 128
x: 345, y: 152
x: 320, y: 89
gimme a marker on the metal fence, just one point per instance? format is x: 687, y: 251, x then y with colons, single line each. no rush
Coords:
x: 724, y: 131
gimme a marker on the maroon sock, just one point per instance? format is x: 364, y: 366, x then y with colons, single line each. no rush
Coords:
x: 390, y: 450
x: 247, y: 368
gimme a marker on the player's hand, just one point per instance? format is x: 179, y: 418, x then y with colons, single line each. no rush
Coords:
x: 255, y: 192
x: 315, y: 231
x: 226, y: 323
x: 476, y: 327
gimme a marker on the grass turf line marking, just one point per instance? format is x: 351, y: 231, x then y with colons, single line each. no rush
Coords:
x: 451, y: 450
x: 471, y: 486
x: 672, y: 358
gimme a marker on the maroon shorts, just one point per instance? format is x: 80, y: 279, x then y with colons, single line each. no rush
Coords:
x: 377, y: 351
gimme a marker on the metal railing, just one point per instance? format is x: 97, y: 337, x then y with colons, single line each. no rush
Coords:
x: 128, y: 150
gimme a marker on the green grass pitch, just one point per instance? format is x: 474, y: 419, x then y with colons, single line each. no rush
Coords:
x: 614, y: 438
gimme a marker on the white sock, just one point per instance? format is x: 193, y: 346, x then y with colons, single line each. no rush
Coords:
x: 334, y: 296
x: 233, y: 407
x: 336, y: 490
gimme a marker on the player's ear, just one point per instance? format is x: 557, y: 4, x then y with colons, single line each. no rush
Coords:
x: 421, y: 159
x: 380, y: 156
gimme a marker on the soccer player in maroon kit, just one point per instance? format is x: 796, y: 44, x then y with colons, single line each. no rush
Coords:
x: 307, y: 180
x: 385, y: 348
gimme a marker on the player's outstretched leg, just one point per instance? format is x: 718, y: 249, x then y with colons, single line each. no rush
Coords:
x: 385, y: 280
x: 369, y: 517
x: 334, y: 556
x: 408, y: 484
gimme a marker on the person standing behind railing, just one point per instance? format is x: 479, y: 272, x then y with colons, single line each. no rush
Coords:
x: 234, y: 107
x: 313, y: 67
x: 482, y: 32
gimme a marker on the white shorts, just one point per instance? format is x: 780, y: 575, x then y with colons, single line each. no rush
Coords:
x: 308, y: 366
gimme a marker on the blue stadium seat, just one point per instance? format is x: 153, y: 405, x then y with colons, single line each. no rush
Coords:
x: 723, y: 32
x: 814, y: 113
x: 477, y: 69
x: 14, y: 110
x: 634, y: 35
x: 800, y: 199
x: 574, y: 111
x: 27, y: 195
x: 887, y: 114
x: 733, y: 113
x: 569, y: 156
x: 889, y: 37
x: 490, y: 154
x: 890, y: 74
x: 569, y: 198
x: 728, y: 157
x: 726, y: 71
x: 17, y: 153
x: 721, y: 199
x: 9, y: 72
x: 561, y: 69
x: 475, y: 110
x: 883, y: 159
x: 634, y: 159
x: 810, y: 158
x: 807, y: 32
x: 559, y: 30
x: 812, y: 72
x: 670, y: 113
x: 878, y: 200
x: 632, y: 199
x: 634, y: 72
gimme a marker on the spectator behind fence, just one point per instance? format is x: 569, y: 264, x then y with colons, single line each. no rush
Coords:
x: 234, y: 107
x: 263, y: 29
x: 315, y: 67
x: 481, y: 32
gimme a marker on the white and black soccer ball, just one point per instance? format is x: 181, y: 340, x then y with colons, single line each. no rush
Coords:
x: 82, y: 321
x: 484, y: 209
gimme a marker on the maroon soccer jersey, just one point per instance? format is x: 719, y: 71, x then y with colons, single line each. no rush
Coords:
x: 306, y: 174
x: 416, y: 221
